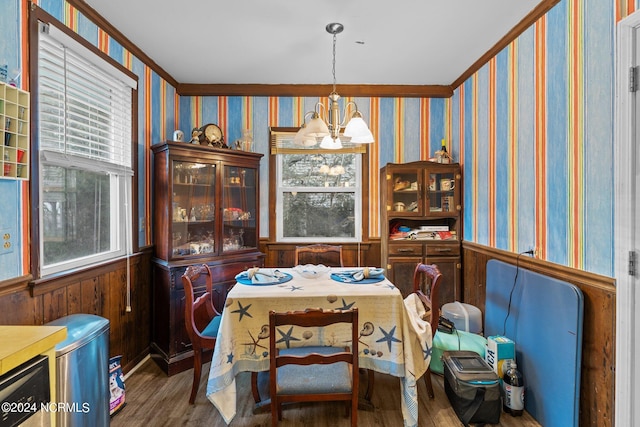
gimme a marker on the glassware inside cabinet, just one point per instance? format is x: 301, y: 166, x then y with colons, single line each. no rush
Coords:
x: 405, y: 195
x: 240, y: 196
x: 442, y: 192
x: 193, y: 208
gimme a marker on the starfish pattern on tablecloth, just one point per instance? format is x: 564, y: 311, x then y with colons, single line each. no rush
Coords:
x: 286, y: 337
x: 427, y: 350
x: 244, y: 311
x: 345, y: 306
x: 230, y: 357
x: 388, y: 336
x: 295, y: 288
x: 254, y: 342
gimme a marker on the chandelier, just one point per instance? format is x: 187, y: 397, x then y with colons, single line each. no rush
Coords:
x: 326, y: 130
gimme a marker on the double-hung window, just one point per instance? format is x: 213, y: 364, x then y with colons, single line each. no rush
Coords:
x: 318, y: 192
x: 84, y: 114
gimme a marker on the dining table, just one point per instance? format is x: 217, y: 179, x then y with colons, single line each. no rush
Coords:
x: 393, y: 338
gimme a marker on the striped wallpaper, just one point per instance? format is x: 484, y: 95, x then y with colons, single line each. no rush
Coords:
x: 405, y: 129
x: 533, y: 130
x: 536, y: 124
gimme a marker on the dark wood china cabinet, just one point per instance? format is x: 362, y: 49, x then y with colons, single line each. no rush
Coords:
x: 206, y: 211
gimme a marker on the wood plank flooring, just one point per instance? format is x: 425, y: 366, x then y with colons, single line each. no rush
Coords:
x: 153, y: 399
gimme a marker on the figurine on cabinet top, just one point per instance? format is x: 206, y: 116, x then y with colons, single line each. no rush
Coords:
x: 195, y: 135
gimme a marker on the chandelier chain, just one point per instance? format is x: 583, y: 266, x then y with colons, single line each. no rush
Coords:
x: 333, y: 70
x: 328, y: 128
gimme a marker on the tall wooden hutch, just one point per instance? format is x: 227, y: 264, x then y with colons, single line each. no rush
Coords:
x: 206, y: 210
x: 421, y: 221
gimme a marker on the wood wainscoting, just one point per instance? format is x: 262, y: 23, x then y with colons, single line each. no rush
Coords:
x: 101, y: 290
x: 365, y: 254
x: 597, y: 381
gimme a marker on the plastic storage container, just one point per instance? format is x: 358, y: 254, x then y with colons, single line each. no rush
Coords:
x: 82, y: 371
x: 466, y: 317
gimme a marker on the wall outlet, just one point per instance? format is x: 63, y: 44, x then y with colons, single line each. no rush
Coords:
x: 6, y: 243
x: 534, y: 250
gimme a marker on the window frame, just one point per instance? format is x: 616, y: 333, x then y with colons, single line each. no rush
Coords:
x: 275, y: 215
x: 130, y: 208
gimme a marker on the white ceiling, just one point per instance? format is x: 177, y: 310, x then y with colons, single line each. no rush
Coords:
x: 404, y: 42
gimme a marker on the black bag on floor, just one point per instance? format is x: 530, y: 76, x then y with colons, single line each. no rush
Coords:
x: 472, y: 387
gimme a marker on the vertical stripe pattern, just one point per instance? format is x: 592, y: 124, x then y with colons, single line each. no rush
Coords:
x: 147, y: 141
x: 512, y: 144
x: 474, y: 155
x: 523, y: 127
x: 374, y: 168
x: 575, y: 133
x: 540, y: 138
x: 491, y: 165
x: 424, y: 129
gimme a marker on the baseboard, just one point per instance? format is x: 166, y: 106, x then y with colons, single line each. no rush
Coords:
x: 139, y: 364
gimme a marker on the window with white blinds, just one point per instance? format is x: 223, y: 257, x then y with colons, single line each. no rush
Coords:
x: 84, y: 109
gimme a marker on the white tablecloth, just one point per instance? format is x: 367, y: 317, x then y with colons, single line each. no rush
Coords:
x: 393, y: 339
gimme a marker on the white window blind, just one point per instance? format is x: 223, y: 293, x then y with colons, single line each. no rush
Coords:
x: 84, y: 111
x: 84, y: 108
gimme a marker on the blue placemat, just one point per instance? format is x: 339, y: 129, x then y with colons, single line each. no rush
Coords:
x: 245, y: 280
x: 346, y: 278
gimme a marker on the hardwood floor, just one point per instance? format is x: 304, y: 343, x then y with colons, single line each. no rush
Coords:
x: 153, y: 399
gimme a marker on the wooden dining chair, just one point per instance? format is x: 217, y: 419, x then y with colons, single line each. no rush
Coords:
x: 334, y: 374
x: 201, y: 320
x: 426, y: 277
x: 329, y: 255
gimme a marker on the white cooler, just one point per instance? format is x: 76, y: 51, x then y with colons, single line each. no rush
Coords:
x: 466, y: 317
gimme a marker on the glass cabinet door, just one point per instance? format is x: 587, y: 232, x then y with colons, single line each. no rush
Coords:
x: 442, y: 192
x: 192, y: 210
x: 405, y: 192
x: 240, y: 198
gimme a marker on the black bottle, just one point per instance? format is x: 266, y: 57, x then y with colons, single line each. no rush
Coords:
x: 513, y: 386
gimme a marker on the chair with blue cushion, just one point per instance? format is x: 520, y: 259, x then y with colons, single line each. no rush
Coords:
x: 426, y: 285
x: 313, y: 373
x: 201, y: 320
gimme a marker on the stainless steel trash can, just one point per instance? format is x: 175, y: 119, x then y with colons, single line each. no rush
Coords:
x: 82, y: 371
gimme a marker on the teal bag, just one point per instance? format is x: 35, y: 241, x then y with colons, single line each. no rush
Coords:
x: 458, y: 340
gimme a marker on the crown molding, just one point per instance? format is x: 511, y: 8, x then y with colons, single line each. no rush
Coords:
x: 405, y: 91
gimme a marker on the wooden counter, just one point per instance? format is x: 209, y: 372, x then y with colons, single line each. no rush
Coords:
x: 22, y: 343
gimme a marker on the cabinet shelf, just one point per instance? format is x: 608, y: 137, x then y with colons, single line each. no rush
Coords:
x: 181, y: 184
x: 238, y: 186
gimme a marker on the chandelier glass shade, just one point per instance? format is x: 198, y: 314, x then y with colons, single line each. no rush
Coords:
x: 327, y: 129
